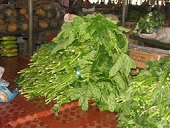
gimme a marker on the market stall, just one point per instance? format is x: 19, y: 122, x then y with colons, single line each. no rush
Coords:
x: 31, y: 18
x: 91, y: 67
x: 150, y: 42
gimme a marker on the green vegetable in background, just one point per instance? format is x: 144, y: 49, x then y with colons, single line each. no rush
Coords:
x: 9, y: 42
x: 150, y: 23
x: 8, y: 38
x: 87, y: 60
x: 146, y: 103
x: 10, y: 50
x: 10, y: 46
x: 10, y: 54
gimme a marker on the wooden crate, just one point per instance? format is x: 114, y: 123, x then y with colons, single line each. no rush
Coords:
x: 142, y: 54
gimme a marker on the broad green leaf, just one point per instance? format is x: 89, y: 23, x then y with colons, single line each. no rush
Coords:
x: 112, y: 102
x: 82, y: 29
x: 85, y: 104
x: 71, y: 37
x: 81, y: 100
x: 95, y: 92
x: 78, y: 20
x: 117, y: 66
x: 104, y: 99
x: 130, y: 64
x: 61, y: 46
x: 74, y: 95
x: 89, y: 93
x: 120, y: 81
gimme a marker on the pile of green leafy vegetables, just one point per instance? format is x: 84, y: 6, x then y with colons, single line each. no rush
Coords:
x: 146, y: 103
x: 87, y: 61
x: 150, y: 23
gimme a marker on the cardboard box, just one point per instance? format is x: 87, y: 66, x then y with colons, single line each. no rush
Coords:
x: 141, y: 57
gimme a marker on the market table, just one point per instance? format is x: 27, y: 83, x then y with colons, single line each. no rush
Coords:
x: 153, y: 43
x: 20, y: 113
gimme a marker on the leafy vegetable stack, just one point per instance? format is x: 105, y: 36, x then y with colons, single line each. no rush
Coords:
x: 150, y: 23
x: 146, y: 104
x: 87, y: 60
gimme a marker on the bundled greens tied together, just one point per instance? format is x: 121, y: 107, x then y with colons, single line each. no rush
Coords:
x: 87, y: 61
x: 146, y: 103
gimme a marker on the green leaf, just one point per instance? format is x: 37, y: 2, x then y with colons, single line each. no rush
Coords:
x: 104, y: 99
x: 71, y: 37
x: 117, y: 66
x: 85, y: 104
x: 121, y: 83
x: 80, y: 101
x: 95, y: 92
x: 129, y: 64
x: 126, y: 107
x: 78, y: 21
x: 112, y: 102
x: 56, y: 108
x: 160, y: 126
x: 74, y: 94
x: 65, y: 38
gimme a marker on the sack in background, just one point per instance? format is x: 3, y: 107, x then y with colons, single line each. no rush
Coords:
x: 1, y: 71
x: 163, y: 35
